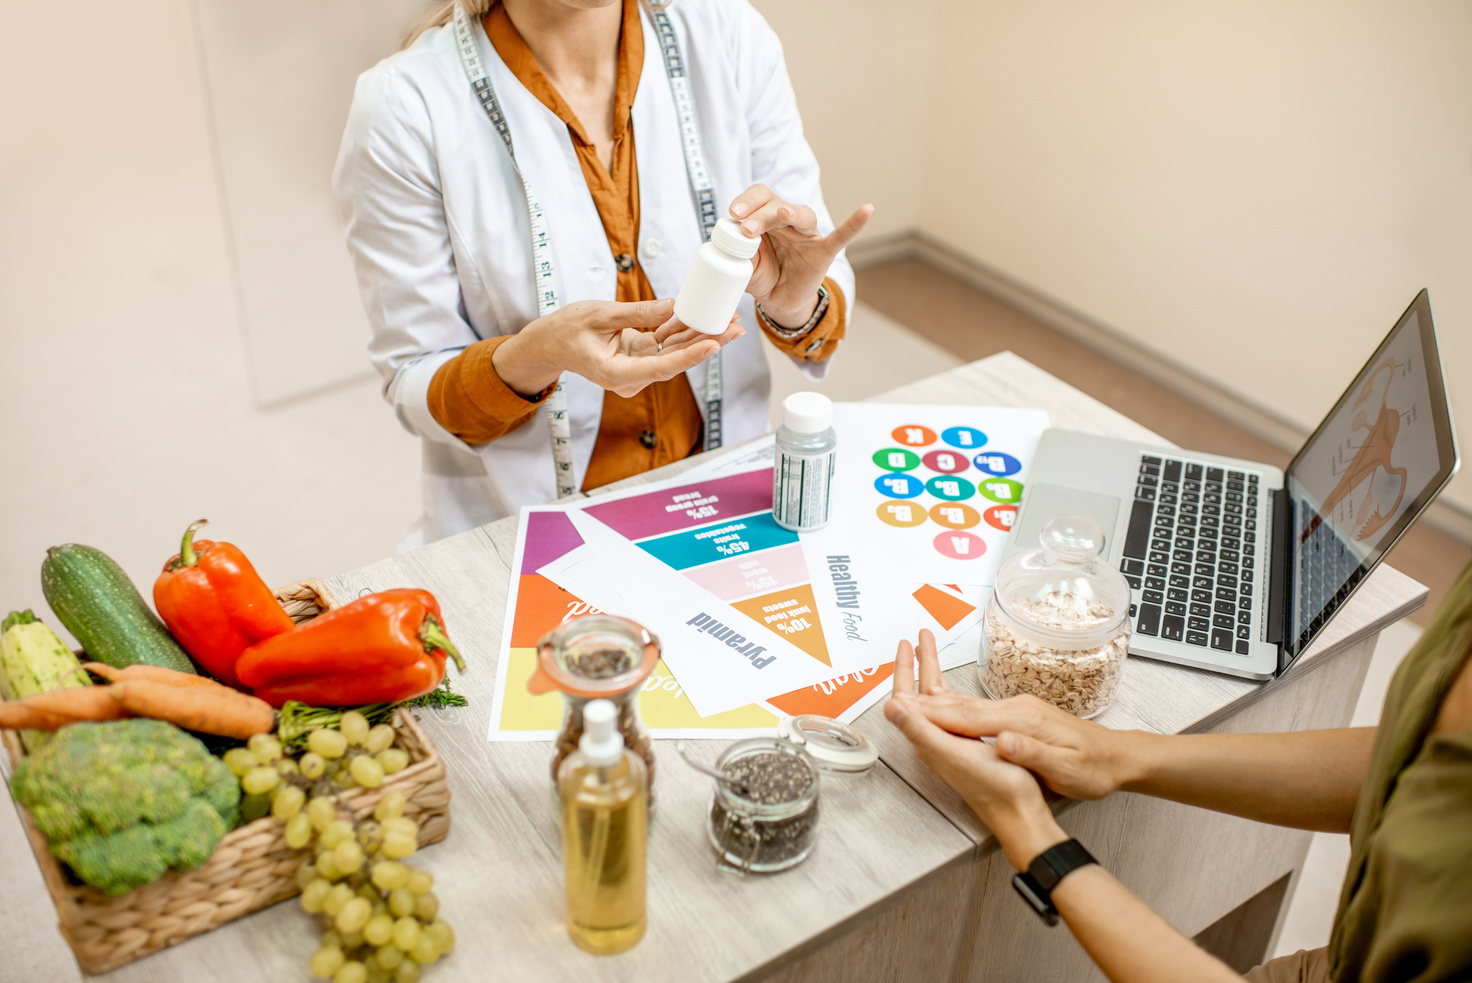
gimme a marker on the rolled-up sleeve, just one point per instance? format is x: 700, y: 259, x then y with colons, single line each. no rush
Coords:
x: 469, y: 399
x: 819, y: 342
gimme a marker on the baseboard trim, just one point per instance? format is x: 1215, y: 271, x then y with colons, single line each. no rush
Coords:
x: 870, y: 252
x: 1267, y: 426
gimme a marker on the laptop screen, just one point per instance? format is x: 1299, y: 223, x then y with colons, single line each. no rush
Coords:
x: 1375, y: 462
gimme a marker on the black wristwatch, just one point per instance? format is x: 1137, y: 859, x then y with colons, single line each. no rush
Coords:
x: 1051, y: 866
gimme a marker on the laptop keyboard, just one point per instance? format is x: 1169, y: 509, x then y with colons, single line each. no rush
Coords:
x: 1191, y: 553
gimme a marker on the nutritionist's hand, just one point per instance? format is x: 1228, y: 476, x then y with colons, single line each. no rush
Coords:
x: 1003, y: 795
x: 621, y: 347
x: 794, y: 256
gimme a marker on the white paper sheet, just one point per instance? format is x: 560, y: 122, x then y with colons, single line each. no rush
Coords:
x: 929, y: 491
x: 722, y: 658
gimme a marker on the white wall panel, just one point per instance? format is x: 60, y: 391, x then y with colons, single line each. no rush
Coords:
x: 279, y: 79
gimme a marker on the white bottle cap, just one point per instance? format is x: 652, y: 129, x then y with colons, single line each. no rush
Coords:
x: 729, y: 238
x: 601, y: 743
x: 807, y: 412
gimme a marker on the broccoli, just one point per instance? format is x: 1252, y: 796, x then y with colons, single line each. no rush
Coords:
x: 120, y: 803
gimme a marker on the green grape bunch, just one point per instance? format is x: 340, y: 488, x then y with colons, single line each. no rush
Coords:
x: 380, y: 917
x: 351, y: 755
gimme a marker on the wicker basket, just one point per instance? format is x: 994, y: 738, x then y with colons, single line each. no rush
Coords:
x: 251, y: 868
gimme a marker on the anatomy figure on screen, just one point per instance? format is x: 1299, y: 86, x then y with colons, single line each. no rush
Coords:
x: 1371, y: 467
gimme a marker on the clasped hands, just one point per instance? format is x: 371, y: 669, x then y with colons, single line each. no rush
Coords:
x: 1037, y: 746
x: 625, y: 347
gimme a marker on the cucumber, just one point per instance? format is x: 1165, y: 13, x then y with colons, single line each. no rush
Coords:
x: 97, y: 602
x: 34, y: 660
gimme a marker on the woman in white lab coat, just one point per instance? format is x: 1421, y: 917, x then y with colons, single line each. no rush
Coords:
x: 441, y: 232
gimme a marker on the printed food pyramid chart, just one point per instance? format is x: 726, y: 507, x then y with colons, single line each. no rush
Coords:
x: 538, y: 606
x: 720, y: 534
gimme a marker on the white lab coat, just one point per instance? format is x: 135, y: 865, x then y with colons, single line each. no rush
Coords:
x: 437, y: 225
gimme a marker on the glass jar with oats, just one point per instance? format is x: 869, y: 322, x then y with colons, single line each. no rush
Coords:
x: 1057, y: 624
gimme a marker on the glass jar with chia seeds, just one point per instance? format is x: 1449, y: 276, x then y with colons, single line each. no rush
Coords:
x: 766, y: 819
x: 598, y: 657
x: 1057, y: 624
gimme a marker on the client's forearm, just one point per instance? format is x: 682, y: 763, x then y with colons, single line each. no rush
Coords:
x: 1306, y: 779
x: 1131, y: 943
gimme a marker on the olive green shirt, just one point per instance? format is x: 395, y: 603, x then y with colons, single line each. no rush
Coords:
x: 1405, y: 913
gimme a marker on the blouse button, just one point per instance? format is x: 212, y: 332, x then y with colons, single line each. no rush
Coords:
x: 651, y: 248
x: 648, y: 439
x: 625, y: 262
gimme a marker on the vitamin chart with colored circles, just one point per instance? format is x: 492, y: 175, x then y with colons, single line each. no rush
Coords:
x: 934, y: 488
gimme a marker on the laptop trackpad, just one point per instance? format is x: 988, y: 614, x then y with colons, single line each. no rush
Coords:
x: 1043, y: 501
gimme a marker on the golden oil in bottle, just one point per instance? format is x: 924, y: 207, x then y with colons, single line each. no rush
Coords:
x: 604, y: 832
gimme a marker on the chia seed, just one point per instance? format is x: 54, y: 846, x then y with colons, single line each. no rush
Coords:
x: 771, y: 778
x: 600, y: 663
x: 744, y: 828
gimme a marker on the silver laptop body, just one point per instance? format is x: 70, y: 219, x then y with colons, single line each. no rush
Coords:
x: 1236, y: 565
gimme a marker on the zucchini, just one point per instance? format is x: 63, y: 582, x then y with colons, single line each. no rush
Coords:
x: 34, y: 660
x: 97, y: 602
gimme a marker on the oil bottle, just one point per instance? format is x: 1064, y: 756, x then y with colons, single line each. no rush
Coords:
x: 601, y: 787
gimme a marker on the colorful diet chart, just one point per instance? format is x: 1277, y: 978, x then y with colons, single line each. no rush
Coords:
x: 932, y: 490
x: 548, y: 540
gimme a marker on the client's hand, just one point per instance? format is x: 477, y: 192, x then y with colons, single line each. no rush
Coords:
x: 1003, y: 795
x: 1073, y: 757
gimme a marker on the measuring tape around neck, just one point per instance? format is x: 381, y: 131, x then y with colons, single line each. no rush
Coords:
x: 700, y: 187
x: 543, y: 270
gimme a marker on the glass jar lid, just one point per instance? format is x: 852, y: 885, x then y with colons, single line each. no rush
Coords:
x: 832, y: 746
x: 594, y: 656
x: 1064, y: 594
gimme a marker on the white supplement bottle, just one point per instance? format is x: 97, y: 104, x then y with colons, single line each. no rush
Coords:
x: 802, y: 472
x: 717, y: 278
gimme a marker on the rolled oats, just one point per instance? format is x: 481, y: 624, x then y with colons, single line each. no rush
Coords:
x: 1081, y: 681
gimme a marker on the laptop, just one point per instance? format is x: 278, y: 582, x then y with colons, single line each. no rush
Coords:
x: 1236, y: 566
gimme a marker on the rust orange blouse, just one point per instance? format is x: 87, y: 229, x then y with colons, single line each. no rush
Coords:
x: 662, y: 423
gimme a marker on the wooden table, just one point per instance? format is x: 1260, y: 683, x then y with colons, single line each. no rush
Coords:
x: 905, y: 883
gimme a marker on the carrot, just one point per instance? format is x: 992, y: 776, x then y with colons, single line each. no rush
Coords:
x: 191, y: 702
x: 214, y: 709
x: 77, y: 703
x: 59, y: 707
x: 16, y: 715
x: 157, y: 674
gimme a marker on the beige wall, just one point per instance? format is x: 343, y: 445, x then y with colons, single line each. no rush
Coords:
x: 1255, y: 190
x: 125, y: 401
x: 862, y: 75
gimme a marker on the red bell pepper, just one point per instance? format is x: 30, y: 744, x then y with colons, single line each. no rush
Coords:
x: 383, y: 648
x: 216, y: 604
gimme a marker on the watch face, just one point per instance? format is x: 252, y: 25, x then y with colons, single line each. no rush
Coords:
x: 1034, y: 896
